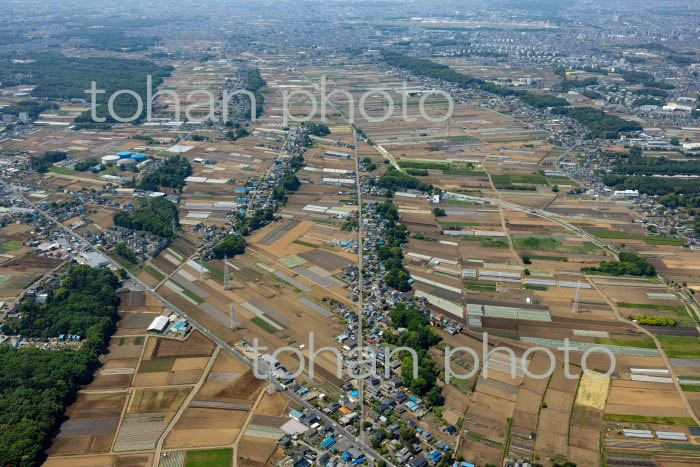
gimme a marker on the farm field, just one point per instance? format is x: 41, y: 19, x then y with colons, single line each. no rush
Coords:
x: 517, y: 275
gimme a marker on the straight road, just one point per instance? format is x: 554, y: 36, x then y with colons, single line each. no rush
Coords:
x: 367, y: 450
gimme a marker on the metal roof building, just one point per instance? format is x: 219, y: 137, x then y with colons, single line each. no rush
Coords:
x: 159, y: 324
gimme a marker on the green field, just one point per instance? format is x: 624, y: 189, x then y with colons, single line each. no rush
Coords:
x: 508, y: 179
x: 182, y: 248
x: 413, y: 164
x: 550, y: 244
x: 611, y: 417
x: 460, y: 202
x: 459, y: 224
x: 681, y: 347
x: 62, y: 171
x: 193, y: 296
x: 153, y: 272
x: 554, y: 179
x: 215, y: 271
x: 471, y: 285
x: 651, y: 306
x: 648, y: 344
x: 460, y: 138
x: 154, y: 366
x: 620, y: 235
x: 209, y: 458
x: 264, y: 324
x: 11, y: 245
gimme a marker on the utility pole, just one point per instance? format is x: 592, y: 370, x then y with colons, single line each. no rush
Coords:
x: 227, y: 284
x: 578, y: 297
x: 234, y: 322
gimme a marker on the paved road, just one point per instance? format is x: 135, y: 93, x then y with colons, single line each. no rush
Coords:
x: 540, y: 213
x: 516, y: 207
x: 368, y: 451
x: 360, y: 300
x: 660, y: 347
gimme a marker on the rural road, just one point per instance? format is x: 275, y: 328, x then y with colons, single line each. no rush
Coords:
x: 185, y: 404
x: 369, y: 452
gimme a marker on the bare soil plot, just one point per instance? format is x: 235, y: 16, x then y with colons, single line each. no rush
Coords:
x: 273, y: 404
x: 196, y: 345
x: 584, y: 456
x: 85, y: 435
x: 73, y: 461
x: 645, y: 402
x: 135, y: 323
x: 96, y: 405
x: 149, y: 379
x: 256, y: 449
x: 245, y: 388
x: 475, y: 451
x: 139, y: 460
x: 552, y: 432
x: 199, y: 427
x: 121, y: 348
x: 157, y: 400
x: 553, y: 424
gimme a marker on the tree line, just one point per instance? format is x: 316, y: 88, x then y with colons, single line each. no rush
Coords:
x: 628, y: 264
x: 601, y: 124
x: 435, y: 70
x: 155, y: 216
x: 32, y: 108
x: 392, y: 180
x: 42, y: 163
x: 420, y: 337
x: 390, y: 252
x: 634, y: 163
x: 59, y: 77
x: 36, y: 385
x: 171, y: 174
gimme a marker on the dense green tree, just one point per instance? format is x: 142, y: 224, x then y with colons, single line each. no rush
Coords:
x: 125, y: 253
x: 60, y: 77
x: 82, y: 166
x: 316, y: 128
x: 439, y: 71
x: 42, y: 163
x: 393, y: 179
x: 291, y: 182
x: 407, y: 435
x: 171, y: 174
x: 229, y: 247
x: 628, y: 264
x: 155, y: 216
x: 601, y: 124
x: 36, y: 385
x: 434, y: 396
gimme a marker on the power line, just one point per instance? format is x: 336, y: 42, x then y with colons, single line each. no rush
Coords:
x: 578, y: 297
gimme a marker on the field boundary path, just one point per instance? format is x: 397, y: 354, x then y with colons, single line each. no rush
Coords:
x: 234, y: 445
x: 185, y: 404
x: 662, y: 352
x: 368, y: 450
